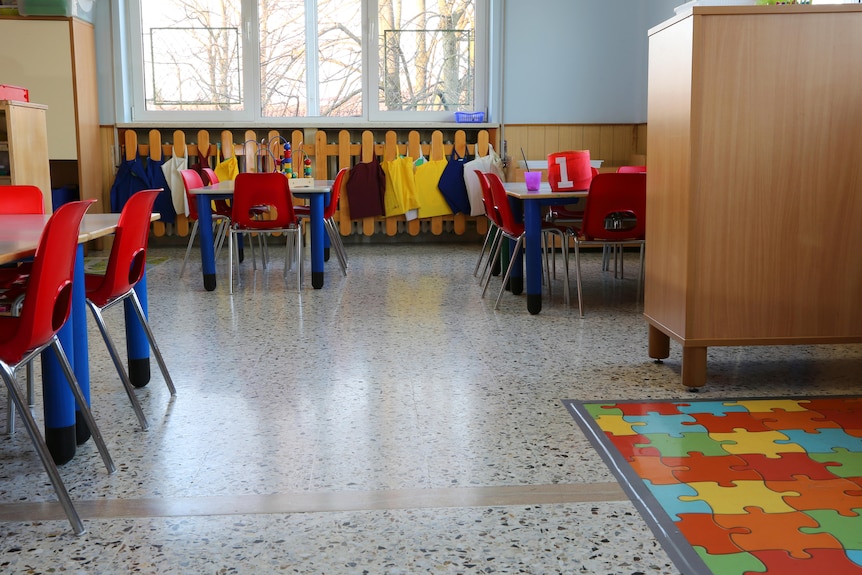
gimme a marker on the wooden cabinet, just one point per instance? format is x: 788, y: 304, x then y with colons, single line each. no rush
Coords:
x: 55, y: 59
x: 754, y: 193
x: 24, y: 147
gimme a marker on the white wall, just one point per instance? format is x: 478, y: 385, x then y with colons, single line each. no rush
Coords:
x: 577, y: 61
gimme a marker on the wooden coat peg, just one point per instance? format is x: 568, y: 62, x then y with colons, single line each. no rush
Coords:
x: 368, y: 155
x: 227, y: 149
x: 482, y: 149
x: 438, y: 152
x: 414, y: 150
x: 179, y: 150
x: 345, y: 224
x: 390, y: 153
x: 460, y: 148
x: 155, y: 155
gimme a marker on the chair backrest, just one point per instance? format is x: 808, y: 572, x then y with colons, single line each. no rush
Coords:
x: 128, y: 257
x: 631, y: 170
x: 335, y: 193
x: 569, y: 171
x: 616, y: 208
x: 254, y: 190
x: 191, y: 180
x: 48, y: 298
x: 488, y: 198
x: 211, y: 176
x: 21, y: 200
x: 508, y: 223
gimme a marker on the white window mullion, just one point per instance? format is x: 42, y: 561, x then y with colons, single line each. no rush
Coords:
x: 251, y: 58
x: 311, y: 58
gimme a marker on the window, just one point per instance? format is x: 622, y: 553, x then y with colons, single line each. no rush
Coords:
x: 282, y: 61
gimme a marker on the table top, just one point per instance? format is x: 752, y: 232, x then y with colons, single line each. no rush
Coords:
x: 20, y: 234
x: 519, y: 190
x: 226, y: 187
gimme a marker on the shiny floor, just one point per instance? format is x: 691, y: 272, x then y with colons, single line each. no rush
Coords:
x: 391, y: 422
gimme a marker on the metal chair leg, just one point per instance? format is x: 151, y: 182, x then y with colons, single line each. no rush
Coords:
x: 118, y: 364
x: 83, y: 407
x: 189, y: 247
x: 517, y: 247
x: 156, y: 351
x: 42, y: 451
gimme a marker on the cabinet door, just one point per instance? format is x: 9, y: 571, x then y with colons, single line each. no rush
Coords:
x: 25, y: 139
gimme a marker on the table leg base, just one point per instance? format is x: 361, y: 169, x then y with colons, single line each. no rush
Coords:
x: 317, y: 280
x: 534, y: 303
x: 139, y: 371
x: 62, y: 443
x: 516, y: 285
x: 82, y: 432
x: 210, y: 281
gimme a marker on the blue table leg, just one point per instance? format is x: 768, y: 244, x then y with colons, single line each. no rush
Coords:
x: 317, y: 239
x: 516, y: 277
x: 533, y: 230
x: 205, y: 216
x: 137, y: 345
x: 61, y: 428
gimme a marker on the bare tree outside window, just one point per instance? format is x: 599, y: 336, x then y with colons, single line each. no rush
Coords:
x: 427, y: 55
x: 195, y: 55
x: 311, y: 63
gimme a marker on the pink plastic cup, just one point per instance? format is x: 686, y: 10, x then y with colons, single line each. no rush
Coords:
x: 533, y: 180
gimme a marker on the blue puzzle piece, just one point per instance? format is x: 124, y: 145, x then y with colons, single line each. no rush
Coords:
x: 669, y: 424
x: 717, y: 408
x: 855, y: 556
x: 823, y: 441
x: 668, y: 497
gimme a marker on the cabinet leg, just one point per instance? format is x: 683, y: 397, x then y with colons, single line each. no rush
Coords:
x: 694, y: 367
x: 659, y: 344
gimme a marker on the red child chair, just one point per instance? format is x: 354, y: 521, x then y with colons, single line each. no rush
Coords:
x: 125, y: 268
x: 46, y: 307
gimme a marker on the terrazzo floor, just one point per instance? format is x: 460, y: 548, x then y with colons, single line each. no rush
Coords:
x: 391, y: 422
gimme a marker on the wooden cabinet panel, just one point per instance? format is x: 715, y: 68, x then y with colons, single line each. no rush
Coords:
x: 24, y: 139
x: 755, y: 188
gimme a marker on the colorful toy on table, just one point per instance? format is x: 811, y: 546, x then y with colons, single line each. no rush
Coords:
x: 287, y: 163
x: 306, y: 171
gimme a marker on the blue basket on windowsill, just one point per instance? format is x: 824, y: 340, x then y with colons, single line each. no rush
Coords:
x: 469, y: 117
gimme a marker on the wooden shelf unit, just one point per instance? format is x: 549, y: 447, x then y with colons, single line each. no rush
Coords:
x: 754, y: 194
x: 24, y: 141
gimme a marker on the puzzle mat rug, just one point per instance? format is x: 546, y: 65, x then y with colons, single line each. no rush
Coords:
x: 734, y: 487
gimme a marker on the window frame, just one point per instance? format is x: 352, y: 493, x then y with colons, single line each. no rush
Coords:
x: 134, y: 106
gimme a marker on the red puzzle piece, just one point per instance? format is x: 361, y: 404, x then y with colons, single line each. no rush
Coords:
x: 808, y: 421
x: 655, y: 469
x: 626, y: 444
x: 722, y: 469
x: 850, y: 421
x: 786, y: 466
x: 839, y: 494
x: 767, y: 531
x: 728, y: 423
x: 701, y: 529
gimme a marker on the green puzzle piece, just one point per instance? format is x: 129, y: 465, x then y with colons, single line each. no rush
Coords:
x: 851, y: 463
x: 731, y: 563
x: 598, y: 409
x: 847, y: 530
x: 691, y: 442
